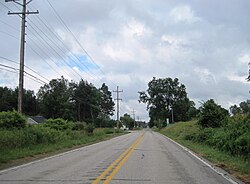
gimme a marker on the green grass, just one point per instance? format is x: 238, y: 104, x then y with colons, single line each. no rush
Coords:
x: 237, y: 166
x: 15, y: 156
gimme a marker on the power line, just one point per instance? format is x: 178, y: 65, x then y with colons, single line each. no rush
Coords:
x: 56, y: 52
x: 9, y: 25
x: 24, y: 66
x: 76, y: 40
x: 24, y: 72
x: 59, y: 39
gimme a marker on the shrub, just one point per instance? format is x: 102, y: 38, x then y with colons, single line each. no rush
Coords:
x: 90, y: 129
x: 31, y: 135
x: 59, y: 124
x: 79, y: 126
x: 11, y: 120
x: 212, y: 115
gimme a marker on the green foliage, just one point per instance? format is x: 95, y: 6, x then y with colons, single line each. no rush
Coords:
x: 37, y: 139
x: 59, y: 124
x: 54, y: 99
x: 28, y: 136
x: 12, y: 119
x: 127, y: 121
x: 233, y: 138
x: 8, y: 99
x: 106, y: 101
x: 60, y: 98
x: 90, y: 129
x: 243, y: 108
x: 212, y: 115
x: 166, y: 94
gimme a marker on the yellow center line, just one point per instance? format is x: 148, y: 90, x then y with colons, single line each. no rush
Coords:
x: 121, y: 159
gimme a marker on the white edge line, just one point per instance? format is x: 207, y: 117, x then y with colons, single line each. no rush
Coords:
x: 203, y: 161
x: 48, y: 158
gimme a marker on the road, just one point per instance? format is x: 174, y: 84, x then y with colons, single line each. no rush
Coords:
x: 138, y: 157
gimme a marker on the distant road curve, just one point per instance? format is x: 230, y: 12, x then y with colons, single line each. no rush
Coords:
x: 139, y: 157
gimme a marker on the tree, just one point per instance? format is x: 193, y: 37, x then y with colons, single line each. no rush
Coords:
x: 212, y: 115
x: 245, y: 107
x: 86, y: 98
x: 29, y: 102
x: 162, y: 96
x: 235, y: 110
x: 107, y: 105
x: 55, y: 99
x: 8, y: 99
x: 127, y: 121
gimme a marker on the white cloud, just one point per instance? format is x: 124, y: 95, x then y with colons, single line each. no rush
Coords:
x: 183, y: 14
x: 244, y: 59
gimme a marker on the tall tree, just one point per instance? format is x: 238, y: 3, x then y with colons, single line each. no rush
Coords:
x: 8, y: 99
x: 54, y: 99
x: 245, y: 107
x: 163, y: 96
x: 86, y: 98
x: 29, y: 102
x: 106, y: 102
x: 235, y: 110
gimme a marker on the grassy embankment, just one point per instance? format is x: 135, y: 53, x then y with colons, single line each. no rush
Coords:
x: 186, y: 133
x: 22, y: 145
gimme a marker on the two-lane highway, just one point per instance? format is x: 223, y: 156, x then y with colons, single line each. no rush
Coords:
x: 138, y: 157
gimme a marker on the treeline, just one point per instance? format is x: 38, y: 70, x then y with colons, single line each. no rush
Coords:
x: 75, y: 101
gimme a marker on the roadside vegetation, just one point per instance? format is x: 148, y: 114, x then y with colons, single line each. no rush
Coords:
x: 222, y: 139
x: 20, y: 140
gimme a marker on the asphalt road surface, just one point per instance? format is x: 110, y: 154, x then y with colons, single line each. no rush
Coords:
x: 138, y: 157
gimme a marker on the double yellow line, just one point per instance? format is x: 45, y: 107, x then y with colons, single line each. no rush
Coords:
x: 118, y: 163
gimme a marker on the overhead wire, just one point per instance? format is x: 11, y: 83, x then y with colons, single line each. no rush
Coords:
x: 9, y: 67
x: 25, y: 67
x: 54, y: 35
x: 56, y: 54
x: 61, y: 20
x: 76, y: 40
x: 65, y: 25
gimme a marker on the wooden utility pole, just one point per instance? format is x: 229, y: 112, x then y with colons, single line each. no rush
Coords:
x: 134, y: 117
x: 22, y: 47
x: 117, y: 111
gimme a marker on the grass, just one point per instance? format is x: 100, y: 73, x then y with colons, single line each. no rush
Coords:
x: 236, y: 166
x: 16, y: 156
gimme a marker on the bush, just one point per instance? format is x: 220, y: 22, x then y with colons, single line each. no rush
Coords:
x: 90, y: 129
x: 31, y: 135
x: 59, y: 124
x: 11, y: 120
x: 212, y: 115
x: 79, y: 126
x: 233, y: 137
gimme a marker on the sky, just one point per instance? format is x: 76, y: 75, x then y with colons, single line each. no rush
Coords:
x: 125, y: 43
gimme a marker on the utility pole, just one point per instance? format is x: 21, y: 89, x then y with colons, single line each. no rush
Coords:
x: 134, y: 116
x: 117, y: 99
x: 172, y: 111
x: 22, y: 47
